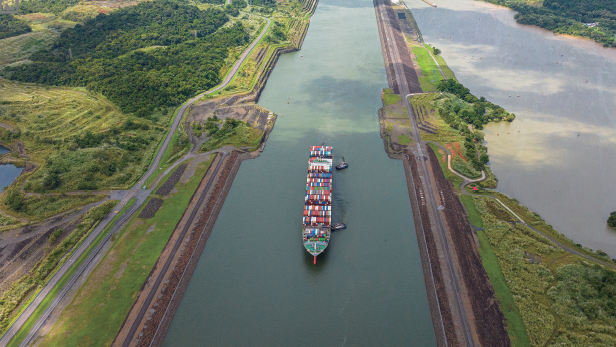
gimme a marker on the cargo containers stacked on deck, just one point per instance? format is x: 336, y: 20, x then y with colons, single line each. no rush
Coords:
x: 317, y: 217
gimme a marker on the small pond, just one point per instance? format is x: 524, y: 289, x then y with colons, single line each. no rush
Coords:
x: 8, y: 172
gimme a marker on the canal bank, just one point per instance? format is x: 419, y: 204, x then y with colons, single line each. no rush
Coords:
x: 254, y: 284
x: 555, y: 157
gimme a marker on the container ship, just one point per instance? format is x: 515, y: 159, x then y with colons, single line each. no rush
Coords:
x: 318, y: 201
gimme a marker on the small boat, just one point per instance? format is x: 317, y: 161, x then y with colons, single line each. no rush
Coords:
x: 338, y: 226
x: 343, y: 165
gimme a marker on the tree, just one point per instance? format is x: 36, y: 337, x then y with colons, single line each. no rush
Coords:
x: 611, y: 221
x: 14, y: 199
x: 436, y: 51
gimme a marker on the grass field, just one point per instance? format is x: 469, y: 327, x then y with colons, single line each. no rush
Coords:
x: 429, y: 69
x: 389, y: 98
x: 46, y: 28
x: 54, y: 124
x: 538, y: 223
x: 473, y: 215
x: 515, y: 325
x: 44, y: 269
x: 450, y: 176
x: 404, y: 140
x: 242, y: 136
x: 41, y: 207
x: 554, y: 291
x: 446, y: 70
x: 102, y: 303
x: 16, y: 341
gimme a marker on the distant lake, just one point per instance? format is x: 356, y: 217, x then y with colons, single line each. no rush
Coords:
x: 8, y: 172
x: 557, y: 157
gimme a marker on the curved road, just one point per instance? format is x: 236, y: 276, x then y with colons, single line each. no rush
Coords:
x: 456, y: 282
x: 135, y: 192
x: 555, y: 241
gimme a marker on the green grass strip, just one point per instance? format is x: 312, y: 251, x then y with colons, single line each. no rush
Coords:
x: 102, y: 303
x: 25, y: 329
x: 389, y: 98
x: 515, y: 325
x: 429, y: 70
x: 473, y: 214
x: 446, y: 70
x: 450, y: 176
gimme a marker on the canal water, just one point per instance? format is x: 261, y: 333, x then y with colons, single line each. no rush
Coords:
x: 255, y: 285
x: 557, y: 157
x: 8, y: 172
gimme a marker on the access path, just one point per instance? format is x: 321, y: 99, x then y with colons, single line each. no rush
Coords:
x: 457, y: 285
x: 135, y: 192
x: 483, y: 176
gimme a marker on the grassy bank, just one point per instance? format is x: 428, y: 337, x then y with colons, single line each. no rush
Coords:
x: 561, y: 298
x: 25, y: 329
x: 12, y: 298
x: 431, y: 75
x: 46, y: 27
x: 548, y: 295
x: 41, y: 207
x: 78, y: 141
x: 102, y: 303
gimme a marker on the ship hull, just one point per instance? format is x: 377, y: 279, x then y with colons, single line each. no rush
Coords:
x: 316, y: 230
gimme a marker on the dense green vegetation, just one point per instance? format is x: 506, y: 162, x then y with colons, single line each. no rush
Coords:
x: 562, y: 299
x: 11, y: 26
x: 46, y: 6
x: 476, y: 111
x: 611, y: 221
x: 77, y: 141
x: 233, y: 133
x: 46, y: 205
x: 569, y: 17
x: 143, y: 58
x: 276, y: 33
x: 20, y: 289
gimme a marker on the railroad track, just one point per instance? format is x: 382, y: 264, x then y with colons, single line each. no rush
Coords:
x: 170, y: 258
x: 428, y: 181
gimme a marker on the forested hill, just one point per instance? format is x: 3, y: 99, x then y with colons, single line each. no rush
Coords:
x: 11, y: 26
x: 155, y: 54
x: 46, y: 6
x: 569, y: 17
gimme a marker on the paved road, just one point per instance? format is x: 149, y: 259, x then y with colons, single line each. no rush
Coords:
x: 456, y: 281
x: 136, y: 192
x: 170, y: 258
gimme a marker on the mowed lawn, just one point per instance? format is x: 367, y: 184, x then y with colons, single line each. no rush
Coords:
x: 99, y: 308
x: 429, y: 70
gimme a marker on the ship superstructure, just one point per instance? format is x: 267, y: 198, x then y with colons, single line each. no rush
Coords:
x: 317, y: 218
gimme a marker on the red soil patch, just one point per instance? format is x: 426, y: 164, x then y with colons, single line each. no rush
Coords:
x: 454, y: 149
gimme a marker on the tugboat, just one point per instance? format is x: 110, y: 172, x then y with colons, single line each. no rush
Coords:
x: 338, y: 226
x: 343, y: 165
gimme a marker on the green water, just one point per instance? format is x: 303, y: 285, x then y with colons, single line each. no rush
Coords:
x: 367, y: 289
